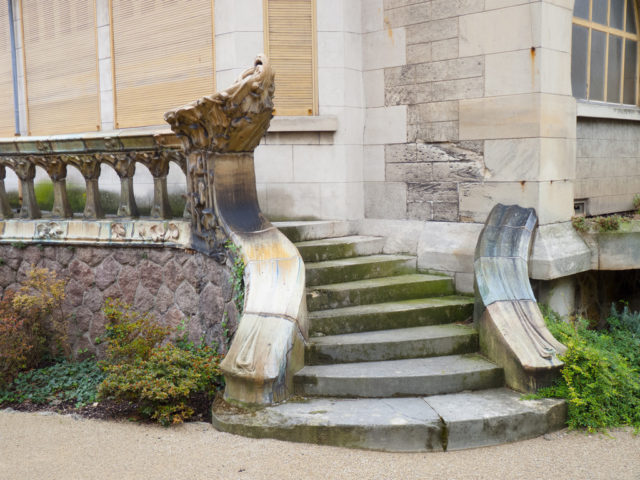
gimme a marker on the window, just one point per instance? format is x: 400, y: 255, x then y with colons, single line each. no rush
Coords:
x: 290, y: 40
x: 163, y: 57
x: 61, y: 66
x: 604, y: 59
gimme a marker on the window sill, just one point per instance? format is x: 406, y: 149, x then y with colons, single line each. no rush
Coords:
x: 612, y: 111
x: 323, y: 123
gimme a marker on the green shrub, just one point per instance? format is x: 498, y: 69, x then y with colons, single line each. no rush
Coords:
x: 33, y: 326
x: 177, y: 203
x: 580, y: 224
x: 600, y: 383
x: 44, y: 195
x: 161, y: 379
x: 608, y: 224
x: 65, y: 381
x: 14, y: 199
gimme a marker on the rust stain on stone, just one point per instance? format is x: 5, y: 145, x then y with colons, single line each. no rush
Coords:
x: 389, y: 29
x: 533, y: 67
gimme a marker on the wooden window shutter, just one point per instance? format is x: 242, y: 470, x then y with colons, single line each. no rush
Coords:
x: 290, y: 39
x: 163, y: 57
x: 7, y: 127
x: 61, y: 64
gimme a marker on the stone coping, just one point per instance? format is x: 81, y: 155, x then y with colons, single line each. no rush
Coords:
x: 111, y: 232
x: 591, y: 109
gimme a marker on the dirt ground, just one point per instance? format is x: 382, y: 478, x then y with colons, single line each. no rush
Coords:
x: 45, y: 446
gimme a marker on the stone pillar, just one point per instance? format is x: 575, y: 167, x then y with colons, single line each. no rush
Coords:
x: 527, y: 114
x: 89, y: 166
x: 158, y: 165
x: 26, y: 172
x: 57, y: 170
x: 125, y: 166
x: 5, y: 208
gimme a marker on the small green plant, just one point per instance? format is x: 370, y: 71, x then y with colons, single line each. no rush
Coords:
x: 160, y: 377
x: 33, y: 327
x: 19, y: 245
x: 608, y: 224
x: 580, y: 224
x: 237, y: 274
x: 65, y: 381
x: 636, y: 202
x: 600, y: 381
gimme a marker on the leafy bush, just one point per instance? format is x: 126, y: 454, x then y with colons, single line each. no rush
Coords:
x: 65, y: 381
x: 162, y: 380
x: 600, y: 381
x: 608, y: 224
x: 33, y: 327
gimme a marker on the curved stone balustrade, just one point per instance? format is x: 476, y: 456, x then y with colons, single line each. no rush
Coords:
x: 87, y: 152
x: 219, y: 134
x: 511, y: 326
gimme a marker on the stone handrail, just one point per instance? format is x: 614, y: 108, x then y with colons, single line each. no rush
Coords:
x: 86, y: 152
x: 511, y: 327
x: 219, y: 134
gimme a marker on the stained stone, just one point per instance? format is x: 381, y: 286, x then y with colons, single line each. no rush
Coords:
x: 7, y: 275
x: 81, y: 272
x: 150, y: 276
x: 92, y: 256
x: 164, y: 299
x: 128, y: 280
x: 187, y: 298
x: 107, y: 272
x: 143, y: 300
x: 93, y: 299
x: 172, y: 275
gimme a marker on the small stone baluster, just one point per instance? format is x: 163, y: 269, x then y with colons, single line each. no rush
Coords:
x: 5, y: 208
x: 26, y: 172
x: 158, y: 165
x: 89, y: 166
x: 125, y: 166
x: 57, y: 170
x: 179, y: 159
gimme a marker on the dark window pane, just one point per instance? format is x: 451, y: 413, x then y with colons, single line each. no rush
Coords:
x: 617, y: 14
x: 599, y: 13
x: 579, y: 61
x: 630, y: 72
x: 631, y: 17
x: 614, y: 69
x: 596, y: 82
x: 581, y: 9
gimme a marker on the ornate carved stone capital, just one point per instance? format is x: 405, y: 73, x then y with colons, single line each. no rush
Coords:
x: 88, y: 164
x: 233, y: 120
x: 55, y: 165
x: 123, y: 163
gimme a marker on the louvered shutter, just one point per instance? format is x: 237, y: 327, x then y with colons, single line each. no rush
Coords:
x: 61, y: 63
x: 7, y: 127
x: 290, y: 39
x: 163, y: 57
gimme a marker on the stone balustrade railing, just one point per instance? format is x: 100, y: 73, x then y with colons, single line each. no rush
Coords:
x: 87, y: 152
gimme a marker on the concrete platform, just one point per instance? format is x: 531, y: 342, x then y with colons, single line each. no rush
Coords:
x: 414, y: 424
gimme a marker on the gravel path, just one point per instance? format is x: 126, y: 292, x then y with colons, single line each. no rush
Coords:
x: 47, y: 446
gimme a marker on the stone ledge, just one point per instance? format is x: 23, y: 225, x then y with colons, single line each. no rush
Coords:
x: 321, y: 123
x: 115, y: 232
x: 613, y: 111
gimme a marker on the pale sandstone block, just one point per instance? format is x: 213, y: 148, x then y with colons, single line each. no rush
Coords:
x: 496, y: 31
x: 444, y: 49
x: 385, y: 125
x: 455, y: 8
x: 293, y: 200
x: 353, y: 51
x: 350, y: 122
x: 331, y: 90
x: 433, y: 112
x: 555, y: 28
x: 385, y: 200
x: 389, y: 4
x: 399, y: 153
x: 419, y: 53
x: 432, y: 31
x: 457, y: 171
x: 409, y: 172
x: 330, y: 49
x: 445, y: 211
x: 433, y: 132
x: 450, y: 69
x: 555, y: 71
x: 328, y: 16
x: 557, y: 116
x: 432, y: 192
x: 454, y: 255
x: 320, y: 163
x: 384, y: 49
x: 373, y: 163
x: 408, y: 94
x: 510, y: 73
x: 556, y: 201
x: 408, y: 15
x: 404, y: 75
x: 464, y: 282
x: 274, y: 163
x: 352, y: 13
x: 372, y: 16
x: 458, y: 89
x: 373, y: 88
x: 496, y: 4
x: 449, y: 152
x: 419, y: 211
x: 342, y: 200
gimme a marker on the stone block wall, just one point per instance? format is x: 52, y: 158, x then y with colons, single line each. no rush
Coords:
x: 489, y: 112
x: 607, y: 164
x: 174, y: 285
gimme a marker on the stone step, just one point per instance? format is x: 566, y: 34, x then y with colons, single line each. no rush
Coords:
x: 358, y: 268
x: 377, y: 290
x: 392, y: 344
x: 415, y: 424
x: 300, y: 231
x: 396, y: 378
x: 340, y: 247
x: 385, y: 316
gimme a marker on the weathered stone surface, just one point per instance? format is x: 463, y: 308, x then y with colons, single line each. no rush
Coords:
x: 173, y: 317
x: 128, y: 282
x: 113, y: 292
x: 81, y: 272
x: 191, y: 271
x: 151, y: 276
x: 65, y: 255
x: 93, y: 299
x: 187, y: 298
x: 126, y: 256
x: 107, y: 272
x: 160, y: 255
x: 164, y: 299
x: 92, y: 256
x: 172, y: 274
x: 7, y: 275
x: 97, y: 328
x: 143, y: 300
x: 32, y: 255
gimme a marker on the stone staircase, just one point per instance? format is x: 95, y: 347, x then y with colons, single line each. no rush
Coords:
x: 392, y: 360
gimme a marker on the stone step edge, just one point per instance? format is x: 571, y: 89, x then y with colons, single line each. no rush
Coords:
x: 410, y: 424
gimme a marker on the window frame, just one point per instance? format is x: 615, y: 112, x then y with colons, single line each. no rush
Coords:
x: 591, y: 25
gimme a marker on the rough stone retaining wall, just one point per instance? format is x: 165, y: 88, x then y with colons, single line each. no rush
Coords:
x: 173, y: 284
